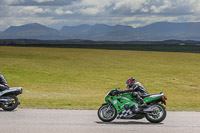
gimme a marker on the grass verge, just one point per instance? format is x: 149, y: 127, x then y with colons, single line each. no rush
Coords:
x: 75, y: 78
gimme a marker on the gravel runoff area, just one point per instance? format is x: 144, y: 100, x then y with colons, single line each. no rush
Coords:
x: 87, y: 121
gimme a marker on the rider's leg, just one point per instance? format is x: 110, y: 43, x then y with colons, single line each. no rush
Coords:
x: 3, y: 87
x: 141, y: 101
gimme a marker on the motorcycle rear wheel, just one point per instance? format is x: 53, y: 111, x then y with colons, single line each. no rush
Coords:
x: 107, y: 113
x: 11, y: 106
x: 158, y: 115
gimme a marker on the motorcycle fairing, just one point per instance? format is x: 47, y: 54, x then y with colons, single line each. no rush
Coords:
x: 153, y: 97
x: 119, y: 102
x: 17, y: 89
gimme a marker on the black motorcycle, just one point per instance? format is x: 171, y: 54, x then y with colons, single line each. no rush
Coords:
x: 8, y: 98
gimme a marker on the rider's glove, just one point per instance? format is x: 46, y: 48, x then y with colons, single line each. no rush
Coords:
x: 116, y: 92
x: 7, y: 86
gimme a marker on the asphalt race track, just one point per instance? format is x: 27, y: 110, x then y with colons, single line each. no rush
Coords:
x: 86, y: 121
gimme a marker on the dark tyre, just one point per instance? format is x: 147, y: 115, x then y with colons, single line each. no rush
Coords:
x: 107, y: 113
x: 159, y: 113
x: 9, y: 106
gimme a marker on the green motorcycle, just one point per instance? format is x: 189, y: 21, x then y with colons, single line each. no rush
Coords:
x: 124, y: 106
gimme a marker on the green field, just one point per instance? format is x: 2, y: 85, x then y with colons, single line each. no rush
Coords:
x: 75, y: 78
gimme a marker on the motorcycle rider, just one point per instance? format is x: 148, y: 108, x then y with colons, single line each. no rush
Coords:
x: 3, y: 83
x: 137, y: 89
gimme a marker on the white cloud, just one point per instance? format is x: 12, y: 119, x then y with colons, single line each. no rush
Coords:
x: 92, y: 7
x: 40, y: 1
x: 74, y: 12
x: 169, y: 7
x: 195, y: 5
x: 29, y: 10
x: 12, y: 1
x: 94, y: 3
x: 132, y: 5
x: 61, y: 11
x: 127, y: 7
x: 90, y: 11
x: 68, y: 12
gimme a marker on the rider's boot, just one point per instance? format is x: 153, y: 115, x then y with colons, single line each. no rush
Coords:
x: 144, y: 105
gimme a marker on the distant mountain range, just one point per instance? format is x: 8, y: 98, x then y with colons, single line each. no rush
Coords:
x: 101, y: 32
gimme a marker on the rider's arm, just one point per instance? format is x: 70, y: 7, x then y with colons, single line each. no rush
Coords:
x: 3, y: 82
x: 3, y: 87
x: 129, y: 90
x: 126, y: 91
x: 135, y: 87
x: 141, y: 89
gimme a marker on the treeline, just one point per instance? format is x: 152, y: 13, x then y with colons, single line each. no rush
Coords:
x: 167, y: 46
x: 33, y: 42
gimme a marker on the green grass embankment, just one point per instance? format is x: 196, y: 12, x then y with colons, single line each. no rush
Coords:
x: 79, y: 78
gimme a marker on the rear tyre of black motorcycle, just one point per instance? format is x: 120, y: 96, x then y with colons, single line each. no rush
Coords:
x: 11, y: 106
x: 157, y: 120
x: 113, y: 111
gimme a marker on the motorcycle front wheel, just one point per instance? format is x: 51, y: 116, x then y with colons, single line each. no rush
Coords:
x: 107, y: 113
x: 159, y: 113
x: 11, y: 105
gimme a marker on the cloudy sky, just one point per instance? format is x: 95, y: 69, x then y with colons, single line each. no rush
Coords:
x: 58, y: 13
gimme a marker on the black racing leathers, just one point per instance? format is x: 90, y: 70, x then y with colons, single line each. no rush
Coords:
x: 3, y: 83
x: 138, y: 91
